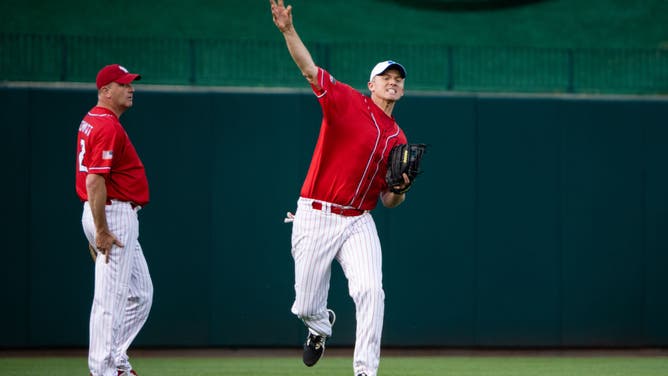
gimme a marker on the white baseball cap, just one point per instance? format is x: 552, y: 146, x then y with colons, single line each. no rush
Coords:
x: 381, y: 67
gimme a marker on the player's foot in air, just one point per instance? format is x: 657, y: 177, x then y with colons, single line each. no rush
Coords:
x: 314, y: 346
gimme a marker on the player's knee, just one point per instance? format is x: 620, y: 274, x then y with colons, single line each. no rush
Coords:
x: 145, y: 297
x: 369, y: 292
x: 148, y: 296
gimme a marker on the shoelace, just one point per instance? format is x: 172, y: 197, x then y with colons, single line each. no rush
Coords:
x: 317, y: 341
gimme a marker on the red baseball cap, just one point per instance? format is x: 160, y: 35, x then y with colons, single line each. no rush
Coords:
x: 115, y: 73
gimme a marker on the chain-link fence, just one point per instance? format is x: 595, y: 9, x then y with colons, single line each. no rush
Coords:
x: 431, y: 67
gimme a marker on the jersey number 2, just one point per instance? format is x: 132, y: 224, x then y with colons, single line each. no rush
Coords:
x: 82, y: 168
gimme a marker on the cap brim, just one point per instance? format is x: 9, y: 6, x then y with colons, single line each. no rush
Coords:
x: 128, y: 78
x: 398, y: 67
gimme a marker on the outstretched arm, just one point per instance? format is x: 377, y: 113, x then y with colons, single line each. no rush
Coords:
x: 283, y: 20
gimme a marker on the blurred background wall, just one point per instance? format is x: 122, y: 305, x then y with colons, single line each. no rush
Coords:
x: 540, y: 220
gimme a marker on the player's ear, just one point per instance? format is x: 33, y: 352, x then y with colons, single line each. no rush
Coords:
x: 370, y: 86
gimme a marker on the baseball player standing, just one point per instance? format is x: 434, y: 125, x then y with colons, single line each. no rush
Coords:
x: 111, y: 183
x: 343, y: 183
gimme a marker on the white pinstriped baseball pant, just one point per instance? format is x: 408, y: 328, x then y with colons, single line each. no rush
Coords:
x: 123, y: 291
x: 319, y: 237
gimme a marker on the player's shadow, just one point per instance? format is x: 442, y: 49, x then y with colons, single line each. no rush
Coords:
x: 464, y: 5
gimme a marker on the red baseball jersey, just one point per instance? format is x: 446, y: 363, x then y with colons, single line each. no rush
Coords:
x: 104, y: 148
x: 350, y: 158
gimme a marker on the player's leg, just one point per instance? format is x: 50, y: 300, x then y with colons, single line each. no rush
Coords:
x: 361, y: 261
x: 137, y: 308
x: 111, y: 282
x: 315, y: 242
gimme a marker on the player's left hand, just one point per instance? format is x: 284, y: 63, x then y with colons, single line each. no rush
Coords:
x: 403, y: 187
x: 403, y: 166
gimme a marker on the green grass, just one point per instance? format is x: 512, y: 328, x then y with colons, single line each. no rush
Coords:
x: 342, y: 366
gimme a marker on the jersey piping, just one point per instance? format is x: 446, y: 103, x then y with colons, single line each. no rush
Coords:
x: 370, y: 160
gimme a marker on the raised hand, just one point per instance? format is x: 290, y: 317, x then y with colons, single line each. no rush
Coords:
x: 281, y: 14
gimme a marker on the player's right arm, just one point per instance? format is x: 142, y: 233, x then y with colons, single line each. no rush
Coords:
x: 97, y: 199
x: 283, y: 20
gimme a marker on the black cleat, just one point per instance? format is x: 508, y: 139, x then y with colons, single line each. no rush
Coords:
x: 362, y: 374
x: 314, y: 346
x: 313, y: 349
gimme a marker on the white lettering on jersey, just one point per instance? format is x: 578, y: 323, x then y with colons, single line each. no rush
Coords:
x: 85, y: 127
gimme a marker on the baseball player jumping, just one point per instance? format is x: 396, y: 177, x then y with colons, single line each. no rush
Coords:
x: 343, y: 183
x: 112, y: 184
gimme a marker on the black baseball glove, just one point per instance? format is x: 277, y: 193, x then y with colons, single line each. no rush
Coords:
x: 404, y: 158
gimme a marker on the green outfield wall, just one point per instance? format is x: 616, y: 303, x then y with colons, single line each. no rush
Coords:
x: 539, y: 221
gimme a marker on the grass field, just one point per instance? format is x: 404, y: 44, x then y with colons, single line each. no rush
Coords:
x: 514, y: 365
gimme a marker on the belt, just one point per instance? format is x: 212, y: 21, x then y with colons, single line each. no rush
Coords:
x: 340, y: 210
x: 132, y: 204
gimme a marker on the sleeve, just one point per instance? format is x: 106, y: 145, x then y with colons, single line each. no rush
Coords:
x: 101, y: 149
x: 333, y: 95
x: 324, y: 82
